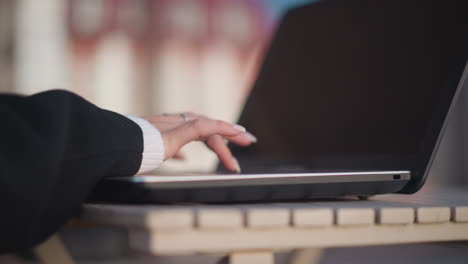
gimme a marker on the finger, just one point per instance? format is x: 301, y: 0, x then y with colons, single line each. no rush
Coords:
x: 243, y: 139
x: 166, y: 125
x: 193, y: 115
x: 196, y: 130
x: 166, y: 118
x: 176, y: 117
x: 217, y: 145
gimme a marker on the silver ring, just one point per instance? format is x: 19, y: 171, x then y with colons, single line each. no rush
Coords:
x: 184, y: 116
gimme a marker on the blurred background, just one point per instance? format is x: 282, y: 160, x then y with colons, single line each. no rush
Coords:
x: 142, y: 57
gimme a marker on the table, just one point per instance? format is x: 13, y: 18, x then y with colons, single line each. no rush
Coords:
x: 251, y: 233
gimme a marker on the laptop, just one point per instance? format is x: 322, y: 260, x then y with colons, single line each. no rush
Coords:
x: 351, y: 99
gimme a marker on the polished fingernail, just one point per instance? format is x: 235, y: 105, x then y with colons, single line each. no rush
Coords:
x: 251, y: 137
x: 239, y: 127
x: 237, y: 166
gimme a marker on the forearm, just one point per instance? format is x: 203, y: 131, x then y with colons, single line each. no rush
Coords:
x: 54, y: 147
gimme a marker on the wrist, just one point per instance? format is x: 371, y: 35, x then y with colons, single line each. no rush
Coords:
x: 153, y: 145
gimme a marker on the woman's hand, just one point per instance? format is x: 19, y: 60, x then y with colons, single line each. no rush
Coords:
x: 180, y: 129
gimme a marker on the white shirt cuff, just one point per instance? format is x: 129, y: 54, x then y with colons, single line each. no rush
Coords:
x: 153, y: 145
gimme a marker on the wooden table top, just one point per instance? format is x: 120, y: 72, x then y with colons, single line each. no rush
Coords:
x: 430, y: 215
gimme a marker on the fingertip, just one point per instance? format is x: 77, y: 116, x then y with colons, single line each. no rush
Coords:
x: 237, y: 167
x: 239, y: 127
x: 243, y: 139
x: 251, y: 137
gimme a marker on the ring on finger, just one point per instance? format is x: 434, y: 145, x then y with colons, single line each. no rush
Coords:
x: 184, y: 116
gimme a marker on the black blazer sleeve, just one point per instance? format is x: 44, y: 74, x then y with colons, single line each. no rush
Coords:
x: 54, y: 147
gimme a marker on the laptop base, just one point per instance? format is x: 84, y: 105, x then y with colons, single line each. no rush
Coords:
x: 126, y: 190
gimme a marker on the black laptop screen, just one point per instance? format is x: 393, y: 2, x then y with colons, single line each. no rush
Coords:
x: 359, y: 84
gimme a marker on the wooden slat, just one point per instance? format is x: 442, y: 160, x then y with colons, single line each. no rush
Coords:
x: 428, y: 215
x: 285, y: 238
x: 262, y: 257
x: 141, y: 216
x: 306, y: 256
x: 355, y: 216
x: 219, y: 218
x: 460, y: 214
x: 267, y: 217
x: 396, y: 215
x: 170, y: 219
x: 312, y: 217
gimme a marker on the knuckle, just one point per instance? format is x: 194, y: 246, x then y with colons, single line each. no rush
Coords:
x: 197, y: 125
x: 211, y: 141
x: 191, y: 114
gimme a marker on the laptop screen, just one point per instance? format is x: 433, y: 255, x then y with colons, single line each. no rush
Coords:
x: 359, y: 85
